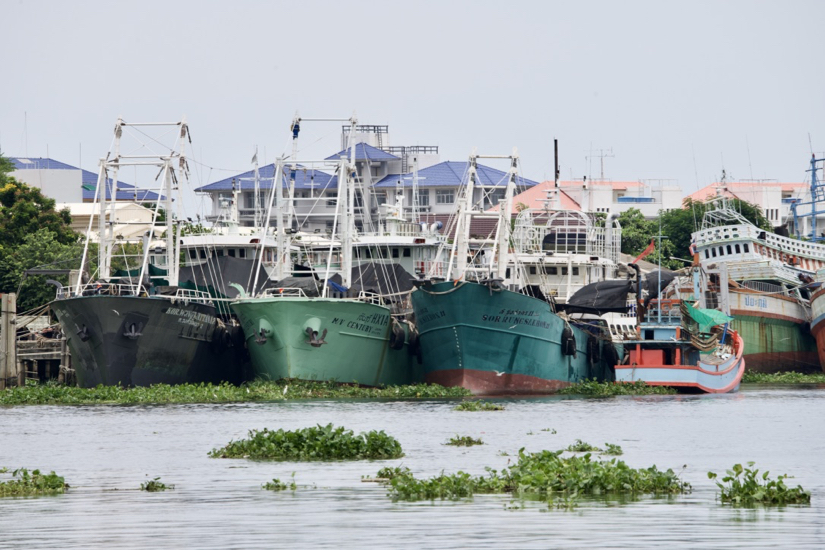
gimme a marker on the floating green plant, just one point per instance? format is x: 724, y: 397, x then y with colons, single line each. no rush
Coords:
x: 551, y: 430
x: 314, y: 443
x: 278, y: 485
x: 387, y: 473
x: 751, y: 377
x: 581, y: 447
x: 611, y: 449
x: 477, y: 405
x: 25, y: 483
x: 464, y: 441
x: 593, y: 388
x: 745, y: 487
x: 55, y: 394
x: 545, y: 475
x: 155, y: 485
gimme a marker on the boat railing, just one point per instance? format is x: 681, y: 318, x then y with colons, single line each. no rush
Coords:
x: 187, y: 295
x: 762, y: 286
x: 284, y: 292
x: 663, y: 312
x: 102, y: 289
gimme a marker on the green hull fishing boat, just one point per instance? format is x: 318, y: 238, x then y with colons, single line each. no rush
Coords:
x: 328, y: 339
x: 494, y: 341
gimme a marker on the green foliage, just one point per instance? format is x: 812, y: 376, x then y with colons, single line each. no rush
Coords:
x: 54, y: 394
x: 39, y: 248
x: 155, y: 485
x: 34, y: 483
x: 745, y: 487
x: 544, y: 475
x: 551, y: 430
x: 314, y: 443
x: 474, y: 406
x: 278, y: 485
x: 594, y: 388
x: 613, y: 450
x: 751, y: 377
x: 24, y: 210
x: 581, y: 447
x: 464, y: 441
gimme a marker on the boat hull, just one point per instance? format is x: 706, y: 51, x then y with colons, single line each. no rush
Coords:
x: 818, y: 324
x: 140, y: 341
x: 498, y: 342
x: 776, y: 333
x: 356, y: 346
x: 702, y: 377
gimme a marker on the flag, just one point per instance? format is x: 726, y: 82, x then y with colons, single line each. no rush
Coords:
x: 645, y: 252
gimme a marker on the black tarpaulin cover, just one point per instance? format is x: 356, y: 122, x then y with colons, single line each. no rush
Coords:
x: 601, y: 297
x: 381, y: 278
x: 652, y: 284
x: 219, y: 272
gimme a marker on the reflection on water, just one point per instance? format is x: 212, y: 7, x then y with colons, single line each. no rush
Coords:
x: 106, y: 452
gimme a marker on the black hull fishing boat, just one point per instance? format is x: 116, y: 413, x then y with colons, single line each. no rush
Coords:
x: 138, y: 327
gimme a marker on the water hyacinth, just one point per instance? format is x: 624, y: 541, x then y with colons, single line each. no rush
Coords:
x: 155, y: 485
x: 790, y: 377
x: 745, y: 487
x: 314, y: 443
x: 593, y: 388
x: 544, y: 475
x: 476, y: 405
x: 55, y: 394
x: 25, y: 483
x: 464, y: 441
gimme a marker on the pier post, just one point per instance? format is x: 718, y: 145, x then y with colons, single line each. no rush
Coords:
x: 8, y: 338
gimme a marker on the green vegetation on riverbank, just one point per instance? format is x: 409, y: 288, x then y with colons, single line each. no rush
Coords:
x: 751, y: 377
x: 34, y: 483
x: 593, y: 388
x: 310, y: 444
x: 54, y: 394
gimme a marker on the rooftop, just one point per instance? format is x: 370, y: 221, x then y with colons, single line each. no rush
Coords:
x: 305, y: 178
x: 364, y: 151
x: 452, y: 174
x: 535, y: 197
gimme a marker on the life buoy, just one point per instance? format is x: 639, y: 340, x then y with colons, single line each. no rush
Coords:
x: 397, y: 335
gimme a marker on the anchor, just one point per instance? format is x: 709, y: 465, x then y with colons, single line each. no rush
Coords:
x: 260, y: 338
x: 314, y: 341
x: 492, y: 284
x: 134, y: 331
x: 84, y: 334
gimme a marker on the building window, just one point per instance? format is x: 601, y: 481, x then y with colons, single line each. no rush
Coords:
x: 444, y: 196
x: 423, y: 197
x: 381, y: 198
x: 496, y: 196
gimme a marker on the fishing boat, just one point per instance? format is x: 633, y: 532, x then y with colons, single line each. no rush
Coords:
x: 488, y: 329
x: 767, y: 275
x: 144, y: 329
x: 684, y: 347
x: 348, y: 321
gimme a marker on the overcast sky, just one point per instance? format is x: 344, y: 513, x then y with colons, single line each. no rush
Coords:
x: 676, y: 90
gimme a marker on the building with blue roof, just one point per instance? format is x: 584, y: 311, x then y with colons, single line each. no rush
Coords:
x: 385, y: 170
x: 69, y: 184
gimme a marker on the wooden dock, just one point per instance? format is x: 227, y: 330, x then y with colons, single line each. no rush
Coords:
x: 27, y: 355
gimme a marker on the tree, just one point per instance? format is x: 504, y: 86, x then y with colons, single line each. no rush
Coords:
x: 39, y: 249
x: 24, y: 210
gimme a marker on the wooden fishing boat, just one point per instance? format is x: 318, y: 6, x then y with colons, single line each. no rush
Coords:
x: 684, y: 347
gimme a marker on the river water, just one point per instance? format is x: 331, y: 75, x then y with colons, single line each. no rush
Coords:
x: 106, y: 452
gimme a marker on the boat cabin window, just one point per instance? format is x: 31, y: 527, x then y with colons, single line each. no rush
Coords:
x: 220, y: 252
x: 575, y: 271
x: 729, y: 250
x: 713, y: 251
x: 232, y: 252
x: 395, y: 253
x: 737, y: 249
x: 241, y: 253
x: 746, y: 248
x: 564, y: 271
x: 554, y: 271
x: 193, y: 254
x: 507, y: 273
x: 532, y: 270
x: 407, y: 253
x: 707, y: 254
